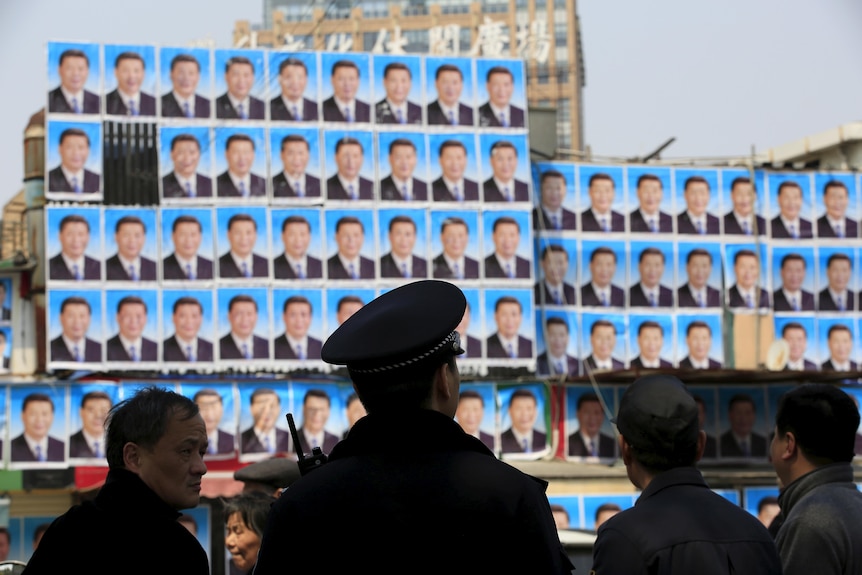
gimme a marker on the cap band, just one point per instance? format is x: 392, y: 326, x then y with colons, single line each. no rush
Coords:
x: 452, y: 340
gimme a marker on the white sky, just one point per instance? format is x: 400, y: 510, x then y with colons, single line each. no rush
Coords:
x: 720, y: 76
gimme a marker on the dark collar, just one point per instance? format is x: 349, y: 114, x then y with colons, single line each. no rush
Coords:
x: 124, y: 492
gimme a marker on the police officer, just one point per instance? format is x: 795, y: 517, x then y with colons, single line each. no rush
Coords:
x: 409, y: 490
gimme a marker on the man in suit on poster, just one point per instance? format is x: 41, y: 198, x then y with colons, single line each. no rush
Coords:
x: 400, y: 185
x: 507, y: 342
x: 470, y: 413
x: 89, y: 441
x: 740, y: 440
x: 790, y: 296
x: 241, y: 261
x: 650, y: 342
x: 499, y: 111
x: 835, y: 296
x: 555, y: 361
x: 472, y: 346
x: 603, y: 340
x: 797, y: 342
x: 504, y: 261
x: 550, y: 215
x: 295, y: 343
x: 72, y: 263
x: 316, y: 406
x: 185, y: 181
x: 599, y: 291
x: 72, y: 175
x: 348, y: 183
x: 295, y: 262
x: 293, y: 181
x: 343, y: 105
x: 447, y: 109
x: 291, y: 104
x: 588, y: 440
x: 185, y: 263
x: 453, y: 263
x: 522, y: 437
x: 73, y: 344
x: 241, y: 342
x: 34, y: 444
x: 183, y: 101
x: 744, y: 293
x: 648, y: 217
x: 211, y: 406
x: 552, y: 289
x: 348, y: 262
x: 128, y: 99
x: 452, y: 186
x: 130, y: 345
x: 840, y: 341
x: 347, y: 306
x: 395, y: 108
x: 649, y: 292
x: 5, y: 312
x: 238, y: 181
x: 263, y: 436
x: 70, y: 97
x: 238, y: 103
x: 502, y: 186
x: 789, y: 223
x: 695, y: 219
x: 710, y: 450
x: 698, y: 340
x: 401, y: 262
x: 600, y: 216
x: 186, y: 343
x: 742, y: 220
x: 130, y: 235
x: 696, y: 292
x: 835, y: 223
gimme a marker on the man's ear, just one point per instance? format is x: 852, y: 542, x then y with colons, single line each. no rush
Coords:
x: 132, y: 457
x: 791, y: 449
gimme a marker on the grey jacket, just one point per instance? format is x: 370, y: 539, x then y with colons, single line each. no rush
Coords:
x: 822, y: 513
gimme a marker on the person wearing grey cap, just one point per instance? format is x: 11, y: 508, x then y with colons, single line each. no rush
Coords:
x: 678, y: 525
x: 270, y: 476
x: 418, y: 492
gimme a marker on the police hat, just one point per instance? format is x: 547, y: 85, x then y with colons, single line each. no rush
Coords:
x: 658, y: 413
x: 276, y: 472
x: 404, y: 327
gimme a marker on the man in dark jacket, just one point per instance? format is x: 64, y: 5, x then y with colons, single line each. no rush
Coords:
x: 155, y: 446
x: 429, y: 493
x: 679, y: 524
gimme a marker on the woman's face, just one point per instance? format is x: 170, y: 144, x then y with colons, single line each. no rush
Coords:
x: 242, y: 543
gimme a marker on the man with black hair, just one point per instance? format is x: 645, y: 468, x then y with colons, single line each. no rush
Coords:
x: 588, y: 440
x: 237, y: 103
x: 550, y: 214
x: 499, y: 111
x: 679, y: 524
x: 835, y: 223
x: 291, y: 104
x: 343, y: 105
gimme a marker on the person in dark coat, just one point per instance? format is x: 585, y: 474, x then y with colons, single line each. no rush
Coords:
x: 444, y: 494
x: 156, y: 440
x: 678, y: 524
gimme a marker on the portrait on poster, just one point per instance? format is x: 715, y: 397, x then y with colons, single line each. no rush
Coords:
x: 318, y: 416
x: 501, y: 93
x: 37, y: 426
x: 790, y: 205
x: 450, y: 90
x: 6, y: 347
x: 185, y: 166
x: 556, y: 203
x: 349, y: 157
x: 351, y: 249
x: 838, y: 278
x: 299, y: 180
x: 836, y: 205
x: 73, y: 161
x: 698, y: 202
x: 698, y: 274
x: 294, y: 86
x: 651, y: 341
x: 403, y: 157
x: 242, y: 243
x: 297, y: 244
x: 707, y: 413
x: 188, y: 248
x: 471, y: 327
x: 838, y: 342
x: 651, y: 274
x: 556, y: 272
x: 239, y: 80
x: 397, y: 88
x: 602, y: 199
x: 744, y: 203
x: 590, y: 435
x: 454, y: 165
x: 89, y: 404
x: 135, y: 235
x: 505, y: 166
x: 240, y: 162
x: 702, y: 335
x: 341, y: 303
x: 455, y: 244
x: 218, y: 409
x: 477, y: 413
x: 185, y: 80
x: 130, y: 87
x: 603, y: 268
x: 800, y: 333
x: 746, y: 277
x: 5, y: 299
x: 73, y: 243
x: 403, y: 241
x: 75, y: 332
x: 243, y: 324
x: 524, y: 420
x: 300, y: 329
x: 262, y: 425
x: 743, y: 422
x: 132, y: 322
x: 74, y: 78
x: 603, y: 341
x: 793, y: 282
x: 188, y: 322
x: 557, y: 344
x: 345, y: 86
x: 508, y: 246
x: 509, y: 328
x: 652, y: 200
